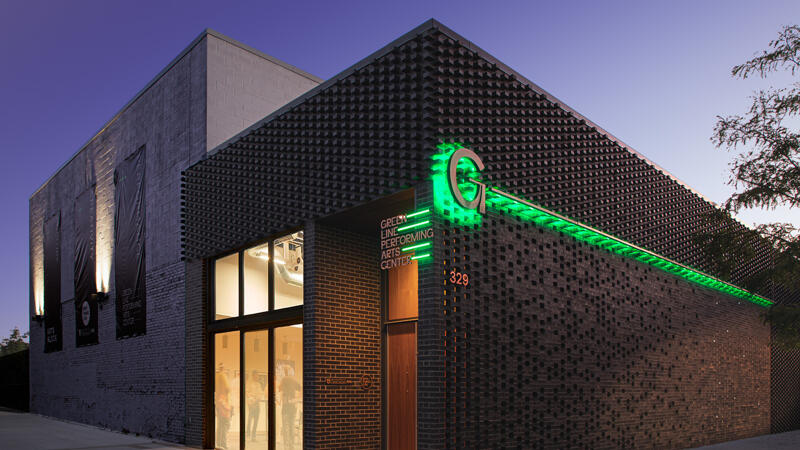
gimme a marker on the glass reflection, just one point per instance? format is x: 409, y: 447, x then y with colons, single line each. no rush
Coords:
x: 226, y: 287
x: 289, y: 387
x: 226, y: 390
x: 256, y: 361
x: 256, y: 279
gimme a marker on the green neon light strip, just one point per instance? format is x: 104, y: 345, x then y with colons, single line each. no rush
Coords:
x: 413, y: 225
x: 445, y: 205
x: 418, y: 213
x: 548, y: 219
x: 424, y: 255
x: 425, y: 244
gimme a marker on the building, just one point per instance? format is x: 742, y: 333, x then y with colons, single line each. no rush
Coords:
x: 209, y: 92
x: 426, y: 250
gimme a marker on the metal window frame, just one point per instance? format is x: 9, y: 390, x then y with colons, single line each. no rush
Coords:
x: 243, y: 323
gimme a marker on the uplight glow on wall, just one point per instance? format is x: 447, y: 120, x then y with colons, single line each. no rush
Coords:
x: 38, y: 291
x: 37, y: 269
x: 104, y: 237
x: 478, y: 195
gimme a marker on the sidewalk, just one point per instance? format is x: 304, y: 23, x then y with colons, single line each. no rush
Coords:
x: 20, y: 430
x: 31, y: 432
x: 781, y: 441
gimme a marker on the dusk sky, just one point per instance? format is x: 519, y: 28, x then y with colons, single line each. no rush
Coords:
x: 654, y: 74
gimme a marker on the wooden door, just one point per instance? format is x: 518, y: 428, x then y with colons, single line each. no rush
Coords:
x: 401, y: 386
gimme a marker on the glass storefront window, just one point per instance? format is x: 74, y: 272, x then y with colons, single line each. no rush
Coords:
x: 256, y: 369
x: 288, y: 342
x: 288, y: 270
x: 256, y: 279
x: 258, y: 381
x: 226, y: 390
x: 226, y: 287
x: 252, y: 266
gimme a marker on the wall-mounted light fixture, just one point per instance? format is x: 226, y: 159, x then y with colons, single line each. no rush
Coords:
x: 101, y: 298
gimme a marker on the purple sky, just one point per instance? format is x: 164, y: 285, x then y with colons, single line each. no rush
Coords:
x: 654, y: 74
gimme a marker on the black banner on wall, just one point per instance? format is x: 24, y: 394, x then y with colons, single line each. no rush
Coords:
x: 129, y: 259
x: 85, y: 281
x: 52, y: 283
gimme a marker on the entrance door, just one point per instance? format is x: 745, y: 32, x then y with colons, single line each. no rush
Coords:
x: 401, y: 385
x: 401, y: 358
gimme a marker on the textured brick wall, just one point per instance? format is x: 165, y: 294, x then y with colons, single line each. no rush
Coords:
x: 370, y: 132
x: 197, y: 381
x: 785, y: 399
x: 134, y: 384
x: 431, y: 349
x: 244, y: 86
x: 342, y: 340
x: 556, y: 343
x: 140, y: 384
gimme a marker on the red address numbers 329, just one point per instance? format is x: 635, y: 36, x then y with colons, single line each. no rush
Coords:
x: 459, y: 278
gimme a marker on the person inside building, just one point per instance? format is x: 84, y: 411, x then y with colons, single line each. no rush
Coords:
x: 223, y: 407
x: 255, y: 395
x: 288, y: 390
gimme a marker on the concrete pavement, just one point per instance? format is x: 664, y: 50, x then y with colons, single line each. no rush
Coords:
x: 20, y: 430
x: 780, y: 441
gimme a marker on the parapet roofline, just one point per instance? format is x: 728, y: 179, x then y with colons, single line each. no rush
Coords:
x: 434, y: 24
x: 170, y: 65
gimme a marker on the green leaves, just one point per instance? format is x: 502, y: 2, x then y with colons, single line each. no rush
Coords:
x: 14, y: 343
x: 785, y: 320
x: 765, y: 175
x: 768, y: 173
x: 784, y: 54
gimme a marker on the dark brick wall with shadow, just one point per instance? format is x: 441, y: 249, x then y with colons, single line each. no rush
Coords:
x: 15, y: 380
x: 622, y: 355
x: 556, y: 343
x: 785, y: 389
x: 196, y: 378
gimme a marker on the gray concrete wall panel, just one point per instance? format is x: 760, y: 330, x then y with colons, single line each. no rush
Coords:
x: 243, y: 87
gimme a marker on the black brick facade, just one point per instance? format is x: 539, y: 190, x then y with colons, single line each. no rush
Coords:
x: 196, y: 379
x: 559, y: 344
x: 556, y: 343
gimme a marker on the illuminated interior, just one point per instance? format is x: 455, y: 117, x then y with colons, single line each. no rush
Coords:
x: 289, y: 387
x: 268, y: 368
x: 226, y: 287
x: 501, y: 201
x: 256, y: 370
x: 287, y: 266
x: 226, y: 390
x: 256, y: 279
x: 288, y: 270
